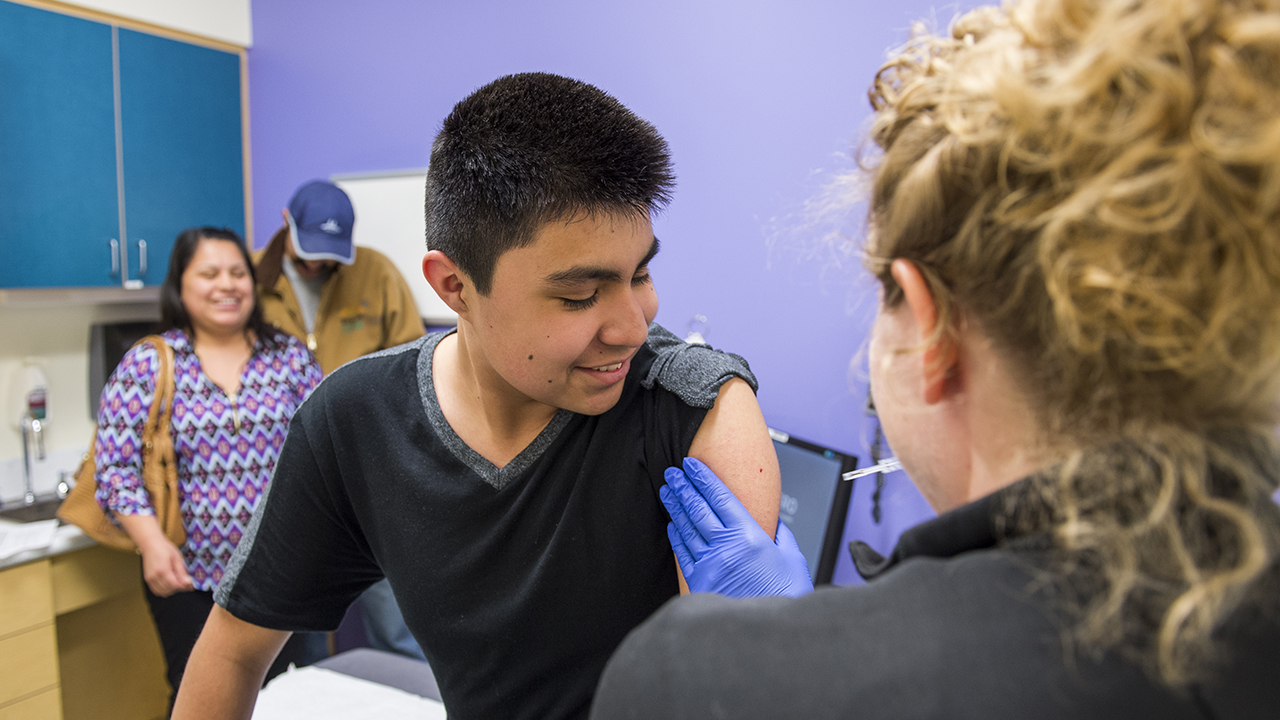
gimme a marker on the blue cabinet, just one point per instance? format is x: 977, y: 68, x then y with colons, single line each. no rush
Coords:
x: 58, y: 209
x: 183, y: 162
x: 111, y: 142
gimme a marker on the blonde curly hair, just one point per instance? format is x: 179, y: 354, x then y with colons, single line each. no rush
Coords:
x: 1096, y: 184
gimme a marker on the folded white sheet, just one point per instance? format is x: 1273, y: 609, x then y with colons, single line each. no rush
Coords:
x: 16, y: 538
x: 312, y: 693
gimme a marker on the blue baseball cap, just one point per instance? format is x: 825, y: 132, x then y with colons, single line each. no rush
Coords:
x: 320, y: 220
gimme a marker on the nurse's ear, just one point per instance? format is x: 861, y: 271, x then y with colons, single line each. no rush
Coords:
x: 447, y: 279
x: 940, y: 352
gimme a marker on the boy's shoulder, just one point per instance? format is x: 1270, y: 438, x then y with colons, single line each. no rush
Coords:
x: 370, y: 375
x: 380, y: 360
x: 693, y: 372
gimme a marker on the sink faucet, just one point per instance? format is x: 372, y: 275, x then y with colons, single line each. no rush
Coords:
x: 32, y: 429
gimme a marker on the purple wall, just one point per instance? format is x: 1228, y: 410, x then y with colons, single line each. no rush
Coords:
x: 761, y: 101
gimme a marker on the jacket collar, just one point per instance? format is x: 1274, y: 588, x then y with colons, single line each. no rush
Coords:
x: 271, y: 264
x: 975, y: 526
x: 989, y: 521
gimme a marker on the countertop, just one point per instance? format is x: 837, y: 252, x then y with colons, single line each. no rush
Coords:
x: 68, y: 538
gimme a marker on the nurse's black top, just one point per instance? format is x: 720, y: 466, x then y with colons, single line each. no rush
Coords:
x: 961, y: 621
x: 517, y: 582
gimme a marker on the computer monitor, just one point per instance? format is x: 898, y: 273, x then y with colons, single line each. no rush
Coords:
x: 815, y: 499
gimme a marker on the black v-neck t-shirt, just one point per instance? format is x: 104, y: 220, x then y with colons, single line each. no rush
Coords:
x: 517, y: 582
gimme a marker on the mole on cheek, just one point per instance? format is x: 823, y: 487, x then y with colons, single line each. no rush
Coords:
x: 530, y: 357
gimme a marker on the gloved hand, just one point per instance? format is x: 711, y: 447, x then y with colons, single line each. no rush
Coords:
x: 720, y: 547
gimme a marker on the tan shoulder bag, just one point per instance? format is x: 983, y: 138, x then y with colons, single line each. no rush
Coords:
x: 159, y: 470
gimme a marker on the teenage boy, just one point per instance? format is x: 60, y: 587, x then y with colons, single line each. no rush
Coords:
x: 503, y: 477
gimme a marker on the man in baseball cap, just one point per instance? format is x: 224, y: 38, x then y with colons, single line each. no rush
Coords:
x: 314, y: 283
x: 344, y: 301
x: 320, y: 218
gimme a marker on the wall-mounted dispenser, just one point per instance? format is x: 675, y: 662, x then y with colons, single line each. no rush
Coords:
x: 29, y: 409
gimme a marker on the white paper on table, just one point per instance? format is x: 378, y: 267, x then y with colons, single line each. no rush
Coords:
x: 313, y: 693
x: 20, y: 537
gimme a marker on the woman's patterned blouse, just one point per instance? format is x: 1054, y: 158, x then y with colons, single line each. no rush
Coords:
x: 226, y: 447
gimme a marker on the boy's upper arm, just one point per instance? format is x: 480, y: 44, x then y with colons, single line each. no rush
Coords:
x: 226, y: 668
x: 734, y: 442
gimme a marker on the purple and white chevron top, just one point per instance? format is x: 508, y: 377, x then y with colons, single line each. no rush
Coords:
x: 226, y: 447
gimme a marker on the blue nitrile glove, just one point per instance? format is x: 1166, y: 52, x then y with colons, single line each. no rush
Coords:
x: 720, y: 546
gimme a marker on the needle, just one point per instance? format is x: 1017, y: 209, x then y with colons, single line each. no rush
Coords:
x: 887, y: 465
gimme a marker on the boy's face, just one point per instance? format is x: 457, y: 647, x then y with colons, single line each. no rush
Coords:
x: 565, y: 314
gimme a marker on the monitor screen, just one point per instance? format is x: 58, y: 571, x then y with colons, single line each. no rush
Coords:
x: 814, y: 499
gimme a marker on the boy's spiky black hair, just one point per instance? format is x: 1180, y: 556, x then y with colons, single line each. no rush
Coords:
x: 531, y: 148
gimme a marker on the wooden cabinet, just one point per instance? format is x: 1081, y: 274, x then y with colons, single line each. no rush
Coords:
x: 109, y: 656
x: 77, y: 640
x: 36, y: 707
x: 28, y: 643
x: 111, y: 142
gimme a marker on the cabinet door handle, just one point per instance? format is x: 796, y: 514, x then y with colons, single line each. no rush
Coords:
x: 115, y: 257
x: 142, y: 257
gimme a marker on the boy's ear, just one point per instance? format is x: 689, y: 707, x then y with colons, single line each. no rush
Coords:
x: 446, y: 279
x: 940, y: 352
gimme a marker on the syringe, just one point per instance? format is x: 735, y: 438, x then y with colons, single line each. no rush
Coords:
x: 887, y: 465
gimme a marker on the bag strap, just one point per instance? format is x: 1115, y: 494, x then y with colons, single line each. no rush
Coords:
x: 158, y: 417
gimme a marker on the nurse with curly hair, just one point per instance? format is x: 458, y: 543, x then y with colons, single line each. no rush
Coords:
x: 1075, y: 223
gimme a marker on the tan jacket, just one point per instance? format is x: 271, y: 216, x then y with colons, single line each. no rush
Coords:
x: 364, y: 307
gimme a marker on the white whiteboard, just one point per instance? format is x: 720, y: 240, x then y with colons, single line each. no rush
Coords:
x: 389, y: 219
x: 226, y: 20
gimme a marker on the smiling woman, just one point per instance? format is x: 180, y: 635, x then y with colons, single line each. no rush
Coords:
x: 217, y: 290
x: 237, y: 383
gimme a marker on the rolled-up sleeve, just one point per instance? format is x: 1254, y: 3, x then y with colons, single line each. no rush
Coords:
x: 122, y: 415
